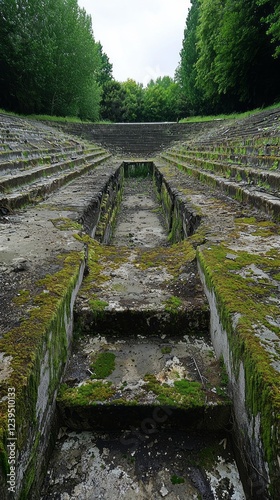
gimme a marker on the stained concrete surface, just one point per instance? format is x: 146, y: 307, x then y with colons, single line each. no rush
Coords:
x: 140, y: 222
x: 143, y: 462
x: 134, y: 465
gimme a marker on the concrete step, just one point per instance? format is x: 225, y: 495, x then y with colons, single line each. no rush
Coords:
x: 241, y: 191
x: 137, y: 138
x: 34, y: 192
x: 19, y: 160
x: 112, y: 383
x: 268, y: 181
x: 258, y: 147
x: 227, y: 155
x: 36, y: 171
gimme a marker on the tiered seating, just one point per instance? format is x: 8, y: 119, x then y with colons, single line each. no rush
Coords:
x: 35, y: 160
x: 138, y: 139
x: 243, y: 161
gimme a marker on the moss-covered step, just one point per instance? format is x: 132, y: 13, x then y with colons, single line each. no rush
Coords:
x: 140, y: 291
x: 37, y: 189
x: 243, y: 286
x: 27, y: 160
x: 239, y: 262
x: 32, y: 357
x: 42, y: 266
x: 113, y: 383
x: 233, y: 156
x: 262, y: 178
x: 252, y: 195
x: 256, y: 145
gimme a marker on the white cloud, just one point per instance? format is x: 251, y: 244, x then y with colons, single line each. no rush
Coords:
x: 142, y: 38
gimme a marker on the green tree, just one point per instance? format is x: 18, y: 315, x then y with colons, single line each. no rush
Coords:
x: 105, y: 70
x: 112, y: 102
x: 48, y: 57
x: 244, y: 68
x: 227, y: 58
x: 209, y: 26
x: 161, y: 99
x: 133, y: 101
x: 272, y: 18
x: 190, y: 97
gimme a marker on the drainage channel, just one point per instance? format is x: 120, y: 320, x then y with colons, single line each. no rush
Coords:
x: 143, y: 408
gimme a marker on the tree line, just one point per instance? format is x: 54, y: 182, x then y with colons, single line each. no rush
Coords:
x: 49, y: 60
x: 51, y: 64
x: 230, y: 56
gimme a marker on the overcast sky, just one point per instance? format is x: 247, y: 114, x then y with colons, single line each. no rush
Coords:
x: 142, y: 38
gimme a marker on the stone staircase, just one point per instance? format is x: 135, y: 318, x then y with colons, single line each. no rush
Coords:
x: 243, y: 161
x: 137, y: 139
x: 35, y: 160
x: 218, y: 187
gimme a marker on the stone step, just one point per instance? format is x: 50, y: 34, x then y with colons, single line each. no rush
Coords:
x: 37, y: 171
x: 265, y: 161
x: 262, y: 126
x: 253, y: 147
x: 38, y: 189
x: 19, y: 160
x: 266, y: 180
x: 241, y: 191
x: 143, y: 463
x: 9, y: 156
x: 112, y: 383
x: 137, y: 138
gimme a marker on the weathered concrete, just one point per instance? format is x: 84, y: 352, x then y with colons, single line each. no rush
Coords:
x: 238, y: 255
x: 134, y: 465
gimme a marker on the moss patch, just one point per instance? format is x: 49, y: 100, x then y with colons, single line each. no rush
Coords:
x: 97, y: 306
x: 185, y: 393
x: 66, y: 224
x: 22, y: 298
x: 166, y: 350
x: 242, y: 296
x: 177, y: 479
x: 43, y: 328
x: 89, y: 393
x: 171, y: 258
x: 103, y: 365
x: 173, y: 304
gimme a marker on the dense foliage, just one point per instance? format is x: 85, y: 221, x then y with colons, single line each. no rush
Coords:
x: 51, y: 64
x: 130, y: 102
x: 49, y: 61
x: 230, y: 55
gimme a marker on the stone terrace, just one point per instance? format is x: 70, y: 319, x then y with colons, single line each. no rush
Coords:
x: 219, y: 189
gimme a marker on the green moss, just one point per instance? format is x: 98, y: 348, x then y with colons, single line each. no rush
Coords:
x: 173, y: 304
x: 22, y: 298
x: 238, y: 294
x: 103, y: 365
x: 185, y: 393
x: 176, y: 232
x: 97, y: 306
x: 90, y: 393
x: 31, y: 470
x: 170, y: 258
x: 66, y: 224
x: 44, y: 327
x: 166, y: 350
x: 100, y: 259
x: 206, y: 457
x: 177, y: 479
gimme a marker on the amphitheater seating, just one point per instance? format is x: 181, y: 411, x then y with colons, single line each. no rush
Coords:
x: 36, y: 160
